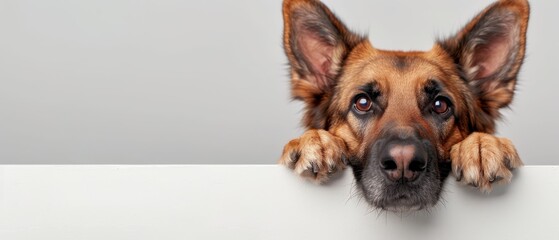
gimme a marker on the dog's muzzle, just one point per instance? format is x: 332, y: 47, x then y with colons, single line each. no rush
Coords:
x: 401, y: 172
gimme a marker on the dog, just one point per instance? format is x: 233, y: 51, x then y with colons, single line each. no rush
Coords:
x: 403, y: 120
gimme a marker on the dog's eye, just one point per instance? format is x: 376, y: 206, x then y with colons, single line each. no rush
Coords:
x: 440, y: 105
x: 363, y: 103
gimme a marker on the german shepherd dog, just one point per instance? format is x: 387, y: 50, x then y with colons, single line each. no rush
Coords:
x: 403, y: 120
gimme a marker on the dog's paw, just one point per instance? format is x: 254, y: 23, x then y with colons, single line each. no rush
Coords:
x: 483, y: 159
x: 315, y: 155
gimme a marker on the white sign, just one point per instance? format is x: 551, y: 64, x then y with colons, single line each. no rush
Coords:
x: 254, y: 202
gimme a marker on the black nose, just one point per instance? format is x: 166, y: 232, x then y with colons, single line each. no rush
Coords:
x: 403, y: 161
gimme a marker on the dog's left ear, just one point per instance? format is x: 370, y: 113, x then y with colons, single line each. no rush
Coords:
x: 489, y: 52
x: 316, y: 43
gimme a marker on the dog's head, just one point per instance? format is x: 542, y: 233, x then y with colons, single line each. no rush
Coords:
x: 401, y: 112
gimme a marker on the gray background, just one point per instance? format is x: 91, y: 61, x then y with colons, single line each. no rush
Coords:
x: 128, y: 81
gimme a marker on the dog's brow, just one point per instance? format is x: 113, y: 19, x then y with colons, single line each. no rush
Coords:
x: 371, y: 88
x: 432, y: 88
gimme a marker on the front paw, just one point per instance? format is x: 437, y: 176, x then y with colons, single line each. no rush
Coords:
x: 483, y: 159
x: 316, y: 155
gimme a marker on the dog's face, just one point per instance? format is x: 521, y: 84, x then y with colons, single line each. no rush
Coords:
x: 399, y: 113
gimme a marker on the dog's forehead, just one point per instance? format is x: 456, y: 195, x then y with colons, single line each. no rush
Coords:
x: 393, y: 71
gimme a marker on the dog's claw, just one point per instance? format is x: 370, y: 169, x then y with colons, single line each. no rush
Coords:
x: 331, y: 168
x: 459, y: 175
x: 496, y: 179
x: 344, y: 160
x: 314, y: 167
x: 294, y: 156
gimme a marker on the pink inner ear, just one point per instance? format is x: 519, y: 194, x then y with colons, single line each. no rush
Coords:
x: 318, y: 56
x: 492, y: 56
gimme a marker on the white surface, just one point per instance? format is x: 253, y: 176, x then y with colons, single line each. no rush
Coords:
x: 253, y: 202
x: 169, y: 81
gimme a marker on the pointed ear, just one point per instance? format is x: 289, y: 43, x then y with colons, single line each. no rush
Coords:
x: 489, y: 51
x: 316, y: 44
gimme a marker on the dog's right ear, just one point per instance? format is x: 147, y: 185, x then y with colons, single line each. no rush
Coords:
x: 316, y: 43
x: 489, y: 51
